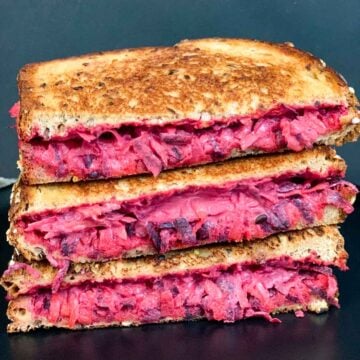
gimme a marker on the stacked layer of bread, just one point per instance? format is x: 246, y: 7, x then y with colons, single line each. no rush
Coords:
x: 203, y: 236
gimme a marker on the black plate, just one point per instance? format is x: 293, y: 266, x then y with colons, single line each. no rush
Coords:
x: 334, y: 335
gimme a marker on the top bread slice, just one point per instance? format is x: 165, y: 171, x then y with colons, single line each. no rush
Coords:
x: 195, y: 79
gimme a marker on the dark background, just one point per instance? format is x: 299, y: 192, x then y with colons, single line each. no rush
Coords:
x: 45, y: 29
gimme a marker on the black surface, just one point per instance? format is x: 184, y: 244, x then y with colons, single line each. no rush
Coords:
x: 45, y: 29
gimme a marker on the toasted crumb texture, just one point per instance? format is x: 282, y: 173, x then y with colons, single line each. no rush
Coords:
x: 195, y: 79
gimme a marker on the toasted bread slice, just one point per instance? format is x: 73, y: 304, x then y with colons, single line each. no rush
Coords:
x: 200, y: 82
x: 32, y: 203
x: 195, y: 79
x: 321, y: 246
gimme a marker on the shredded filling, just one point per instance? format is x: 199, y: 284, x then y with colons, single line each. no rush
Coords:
x: 227, y: 295
x: 133, y: 149
x: 178, y: 219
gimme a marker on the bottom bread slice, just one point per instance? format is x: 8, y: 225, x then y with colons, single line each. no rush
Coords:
x: 223, y: 294
x: 286, y: 272
x: 26, y: 322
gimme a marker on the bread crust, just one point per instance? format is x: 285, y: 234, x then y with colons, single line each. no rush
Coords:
x: 195, y: 79
x: 322, y: 245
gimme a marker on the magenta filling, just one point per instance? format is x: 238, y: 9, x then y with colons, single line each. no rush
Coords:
x: 132, y: 149
x: 223, y: 294
x: 195, y: 216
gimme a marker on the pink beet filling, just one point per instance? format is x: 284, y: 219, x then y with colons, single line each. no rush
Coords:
x: 130, y: 150
x: 195, y: 216
x: 219, y: 294
x: 14, y: 112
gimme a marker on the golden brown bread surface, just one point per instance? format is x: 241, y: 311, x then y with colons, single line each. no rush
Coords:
x: 196, y: 79
x: 36, y: 198
x: 325, y: 243
x: 24, y: 321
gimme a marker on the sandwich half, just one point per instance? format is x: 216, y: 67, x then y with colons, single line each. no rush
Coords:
x: 242, y: 199
x: 125, y: 112
x: 285, y: 272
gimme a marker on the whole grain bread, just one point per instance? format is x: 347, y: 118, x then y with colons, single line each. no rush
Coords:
x: 195, y: 79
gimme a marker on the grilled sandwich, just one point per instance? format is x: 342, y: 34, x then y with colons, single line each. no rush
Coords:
x: 285, y: 272
x: 124, y: 112
x: 238, y: 200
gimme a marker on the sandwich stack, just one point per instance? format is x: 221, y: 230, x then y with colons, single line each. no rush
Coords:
x: 180, y: 183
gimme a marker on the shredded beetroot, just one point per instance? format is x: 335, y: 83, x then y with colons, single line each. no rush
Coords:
x: 225, y: 295
x: 232, y: 212
x: 15, y: 110
x: 133, y: 149
x: 22, y: 266
x: 64, y: 267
